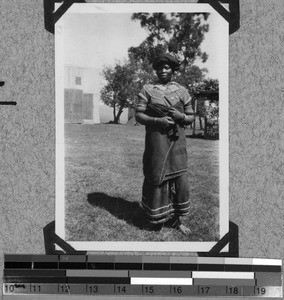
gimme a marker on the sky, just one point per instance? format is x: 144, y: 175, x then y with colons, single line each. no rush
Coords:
x: 95, y: 40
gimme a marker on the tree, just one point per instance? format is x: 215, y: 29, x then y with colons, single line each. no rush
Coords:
x: 123, y: 83
x: 181, y: 34
x: 191, y: 75
x: 116, y: 91
x: 207, y: 85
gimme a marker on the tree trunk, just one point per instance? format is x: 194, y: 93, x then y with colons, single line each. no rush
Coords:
x: 117, y: 118
x: 114, y: 112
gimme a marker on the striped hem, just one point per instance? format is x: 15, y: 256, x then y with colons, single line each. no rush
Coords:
x: 165, y: 209
x: 162, y: 207
x: 162, y: 214
x: 164, y: 219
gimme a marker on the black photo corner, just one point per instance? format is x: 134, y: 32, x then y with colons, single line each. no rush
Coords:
x: 51, y: 239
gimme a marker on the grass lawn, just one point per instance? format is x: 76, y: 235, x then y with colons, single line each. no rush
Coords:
x: 104, y: 182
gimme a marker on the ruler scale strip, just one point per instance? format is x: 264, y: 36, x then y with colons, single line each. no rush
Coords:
x: 141, y: 290
x: 141, y: 276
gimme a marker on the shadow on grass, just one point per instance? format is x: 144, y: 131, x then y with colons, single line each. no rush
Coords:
x: 131, y: 212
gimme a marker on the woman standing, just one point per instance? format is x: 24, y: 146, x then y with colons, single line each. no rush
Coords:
x: 165, y: 108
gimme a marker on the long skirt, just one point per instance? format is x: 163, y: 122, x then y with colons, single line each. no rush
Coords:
x: 170, y: 199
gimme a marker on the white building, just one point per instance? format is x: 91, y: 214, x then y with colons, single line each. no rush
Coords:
x: 81, y: 97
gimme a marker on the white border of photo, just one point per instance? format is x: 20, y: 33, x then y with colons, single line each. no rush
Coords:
x: 222, y: 42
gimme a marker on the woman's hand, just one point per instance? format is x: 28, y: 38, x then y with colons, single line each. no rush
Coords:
x: 165, y: 122
x: 176, y: 115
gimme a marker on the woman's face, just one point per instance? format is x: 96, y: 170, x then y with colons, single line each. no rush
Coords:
x: 164, y: 73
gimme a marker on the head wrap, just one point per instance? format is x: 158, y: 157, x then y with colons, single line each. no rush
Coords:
x: 166, y: 58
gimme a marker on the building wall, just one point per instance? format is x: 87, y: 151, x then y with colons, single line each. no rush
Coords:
x: 87, y: 80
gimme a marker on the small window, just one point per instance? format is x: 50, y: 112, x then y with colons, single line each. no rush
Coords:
x: 78, y: 81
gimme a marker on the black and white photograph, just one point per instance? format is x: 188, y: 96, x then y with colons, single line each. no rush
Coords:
x: 142, y: 127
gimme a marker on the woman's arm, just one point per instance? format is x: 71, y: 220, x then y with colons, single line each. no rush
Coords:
x: 181, y: 118
x: 163, y: 123
x: 188, y: 119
